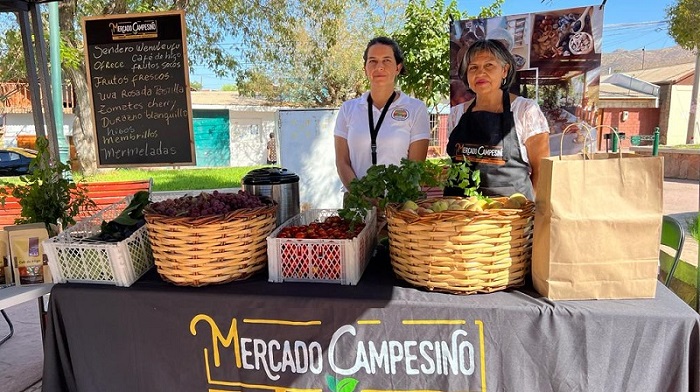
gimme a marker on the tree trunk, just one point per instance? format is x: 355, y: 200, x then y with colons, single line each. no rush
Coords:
x: 83, y: 126
x: 694, y: 103
x: 83, y: 135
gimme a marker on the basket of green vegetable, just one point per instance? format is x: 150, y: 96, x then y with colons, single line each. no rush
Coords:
x: 110, y: 247
x: 466, y: 245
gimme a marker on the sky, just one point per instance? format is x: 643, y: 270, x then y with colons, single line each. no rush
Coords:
x: 627, y: 24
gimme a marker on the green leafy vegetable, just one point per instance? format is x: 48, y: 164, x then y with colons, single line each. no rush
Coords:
x: 396, y: 184
x: 134, y: 211
x: 460, y: 175
x: 128, y: 221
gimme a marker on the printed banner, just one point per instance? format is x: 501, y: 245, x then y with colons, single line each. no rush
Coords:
x: 321, y: 352
x: 379, y: 336
x: 558, y: 57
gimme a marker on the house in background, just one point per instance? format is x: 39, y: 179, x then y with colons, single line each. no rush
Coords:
x: 16, y: 119
x: 229, y: 130
x: 636, y: 102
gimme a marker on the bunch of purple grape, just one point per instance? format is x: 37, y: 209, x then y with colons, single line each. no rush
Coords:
x: 206, y: 204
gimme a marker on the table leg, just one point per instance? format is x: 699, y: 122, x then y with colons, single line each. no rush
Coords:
x: 42, y: 318
x: 9, y: 323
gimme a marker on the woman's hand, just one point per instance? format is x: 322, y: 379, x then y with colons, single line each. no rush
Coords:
x: 537, y: 148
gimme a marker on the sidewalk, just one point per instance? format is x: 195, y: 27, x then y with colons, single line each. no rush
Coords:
x: 21, y: 357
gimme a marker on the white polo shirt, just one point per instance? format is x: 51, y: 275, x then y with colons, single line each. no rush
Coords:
x: 406, y: 121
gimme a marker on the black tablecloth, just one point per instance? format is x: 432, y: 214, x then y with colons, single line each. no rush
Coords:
x: 380, y: 335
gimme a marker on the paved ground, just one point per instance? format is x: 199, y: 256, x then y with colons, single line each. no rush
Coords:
x: 21, y: 357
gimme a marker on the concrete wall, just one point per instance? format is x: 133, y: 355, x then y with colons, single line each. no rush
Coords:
x: 679, y: 163
x: 249, y: 133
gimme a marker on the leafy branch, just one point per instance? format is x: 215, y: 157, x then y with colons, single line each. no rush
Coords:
x: 44, y: 194
x: 397, y: 184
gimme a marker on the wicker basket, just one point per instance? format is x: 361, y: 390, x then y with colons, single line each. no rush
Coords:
x: 462, y: 252
x: 212, y: 249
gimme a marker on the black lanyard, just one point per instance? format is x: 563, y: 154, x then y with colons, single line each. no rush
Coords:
x: 373, y: 131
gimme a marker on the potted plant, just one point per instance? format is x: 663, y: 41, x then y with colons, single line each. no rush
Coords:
x: 45, y: 195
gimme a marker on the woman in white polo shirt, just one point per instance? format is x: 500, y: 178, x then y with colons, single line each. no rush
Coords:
x: 400, y: 122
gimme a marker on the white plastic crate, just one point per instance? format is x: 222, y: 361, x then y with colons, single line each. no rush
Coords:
x: 320, y: 260
x: 72, y: 258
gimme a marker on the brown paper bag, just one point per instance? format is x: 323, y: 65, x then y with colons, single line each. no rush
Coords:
x: 597, y: 226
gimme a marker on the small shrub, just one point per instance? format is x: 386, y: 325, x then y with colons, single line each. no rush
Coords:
x: 44, y: 194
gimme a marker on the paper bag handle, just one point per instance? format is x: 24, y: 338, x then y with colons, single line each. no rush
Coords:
x: 586, y: 137
x: 613, y: 130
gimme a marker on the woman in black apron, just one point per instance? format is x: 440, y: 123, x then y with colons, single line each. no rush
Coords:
x: 486, y: 134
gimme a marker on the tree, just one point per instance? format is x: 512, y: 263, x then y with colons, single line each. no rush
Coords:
x: 684, y: 17
x: 303, y: 51
x: 313, y: 56
x: 424, y: 39
x: 12, y: 68
x: 307, y: 31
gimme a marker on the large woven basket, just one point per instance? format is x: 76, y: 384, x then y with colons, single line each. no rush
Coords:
x: 213, y: 249
x: 462, y: 252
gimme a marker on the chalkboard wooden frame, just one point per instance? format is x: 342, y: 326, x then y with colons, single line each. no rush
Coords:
x: 139, y: 89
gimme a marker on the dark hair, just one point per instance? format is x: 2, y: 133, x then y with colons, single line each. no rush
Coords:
x: 398, y: 55
x: 497, y: 49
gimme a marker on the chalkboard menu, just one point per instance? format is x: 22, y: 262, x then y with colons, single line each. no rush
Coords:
x: 139, y: 87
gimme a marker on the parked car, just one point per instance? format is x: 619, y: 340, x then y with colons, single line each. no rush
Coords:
x: 14, y: 161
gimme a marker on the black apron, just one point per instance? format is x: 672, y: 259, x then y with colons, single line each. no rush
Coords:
x: 489, y: 142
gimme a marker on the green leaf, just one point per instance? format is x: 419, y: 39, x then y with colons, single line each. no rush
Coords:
x: 44, y: 195
x: 400, y: 183
x: 332, y: 383
x: 133, y: 213
x: 684, y: 17
x: 347, y: 385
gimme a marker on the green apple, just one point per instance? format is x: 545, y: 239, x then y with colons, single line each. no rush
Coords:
x: 439, y: 206
x: 409, y: 205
